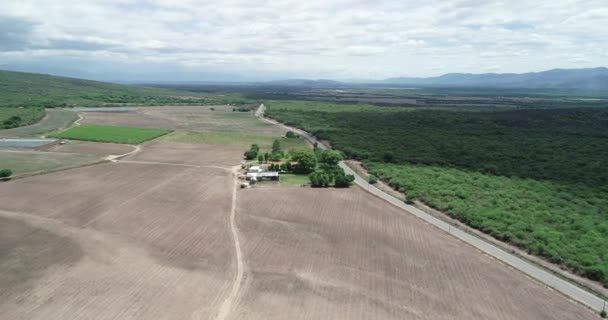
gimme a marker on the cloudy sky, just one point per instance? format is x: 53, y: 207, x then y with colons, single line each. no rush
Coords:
x: 337, y: 39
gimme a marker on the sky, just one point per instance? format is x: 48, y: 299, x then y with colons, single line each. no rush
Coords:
x: 238, y: 40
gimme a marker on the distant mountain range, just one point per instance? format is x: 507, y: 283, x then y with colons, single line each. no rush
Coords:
x: 587, y: 79
x: 592, y: 79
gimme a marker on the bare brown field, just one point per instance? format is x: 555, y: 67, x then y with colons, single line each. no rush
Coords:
x: 188, y: 118
x: 116, y: 241
x: 92, y: 148
x: 344, y: 254
x: 188, y: 153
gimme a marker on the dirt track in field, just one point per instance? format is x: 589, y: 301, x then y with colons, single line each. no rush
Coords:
x: 117, y: 241
x: 344, y: 254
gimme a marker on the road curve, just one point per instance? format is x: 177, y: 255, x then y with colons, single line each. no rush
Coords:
x: 572, y: 291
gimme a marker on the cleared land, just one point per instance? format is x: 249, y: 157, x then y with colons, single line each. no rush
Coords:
x: 343, y: 254
x: 22, y: 162
x: 92, y: 148
x: 187, y: 118
x: 110, y: 134
x: 243, y: 141
x: 188, y: 154
x: 116, y: 241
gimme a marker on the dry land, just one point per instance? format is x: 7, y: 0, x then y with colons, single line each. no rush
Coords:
x: 188, y: 154
x: 187, y: 118
x: 116, y: 241
x: 27, y: 162
x: 92, y: 148
x: 343, y: 254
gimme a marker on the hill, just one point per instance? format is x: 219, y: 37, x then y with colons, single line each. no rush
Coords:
x: 587, y: 79
x: 19, y: 89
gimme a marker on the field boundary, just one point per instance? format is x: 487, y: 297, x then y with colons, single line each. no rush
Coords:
x: 535, y: 271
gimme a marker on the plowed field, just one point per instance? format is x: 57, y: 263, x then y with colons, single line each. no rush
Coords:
x: 344, y: 254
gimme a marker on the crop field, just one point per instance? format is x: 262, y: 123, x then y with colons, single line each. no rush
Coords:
x: 344, y: 254
x: 22, y: 162
x: 116, y: 241
x: 243, y: 141
x: 186, y: 118
x: 110, y: 134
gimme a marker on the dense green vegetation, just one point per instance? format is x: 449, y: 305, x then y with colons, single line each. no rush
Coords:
x: 569, y: 145
x: 535, y: 178
x: 18, y: 89
x: 111, y: 134
x: 565, y: 223
x: 16, y: 117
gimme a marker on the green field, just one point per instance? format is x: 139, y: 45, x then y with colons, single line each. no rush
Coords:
x: 110, y: 134
x: 56, y: 119
x: 19, y: 89
x: 534, y: 178
x: 16, y: 117
x: 34, y: 161
x: 243, y: 141
x: 293, y: 180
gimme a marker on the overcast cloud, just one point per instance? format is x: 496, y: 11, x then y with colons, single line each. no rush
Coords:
x: 336, y: 39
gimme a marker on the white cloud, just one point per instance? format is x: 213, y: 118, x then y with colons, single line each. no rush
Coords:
x: 315, y: 38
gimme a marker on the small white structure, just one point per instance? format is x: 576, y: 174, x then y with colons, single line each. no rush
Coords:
x: 255, y: 169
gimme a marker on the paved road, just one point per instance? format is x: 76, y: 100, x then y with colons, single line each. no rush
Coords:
x: 574, y: 292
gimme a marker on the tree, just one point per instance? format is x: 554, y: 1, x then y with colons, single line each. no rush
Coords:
x: 330, y: 157
x: 388, y: 157
x: 4, y: 173
x: 307, y: 161
x: 251, y: 154
x: 261, y: 158
x: 342, y: 180
x: 276, y: 146
x: 290, y: 134
x: 266, y: 156
x: 319, y: 179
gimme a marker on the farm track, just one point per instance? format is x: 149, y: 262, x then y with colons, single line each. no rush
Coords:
x: 534, y: 271
x: 226, y: 307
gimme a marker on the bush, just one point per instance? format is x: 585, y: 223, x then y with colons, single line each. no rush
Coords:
x: 290, y: 134
x: 372, y: 179
x: 4, y: 173
x: 603, y: 314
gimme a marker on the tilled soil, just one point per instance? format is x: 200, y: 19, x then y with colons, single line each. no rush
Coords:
x: 188, y: 153
x: 116, y: 241
x: 344, y: 254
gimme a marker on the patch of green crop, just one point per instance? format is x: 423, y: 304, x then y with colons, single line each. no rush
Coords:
x: 110, y: 134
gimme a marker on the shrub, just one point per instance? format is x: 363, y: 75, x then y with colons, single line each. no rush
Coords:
x: 4, y: 173
x: 603, y: 314
x: 290, y: 134
x: 372, y: 179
